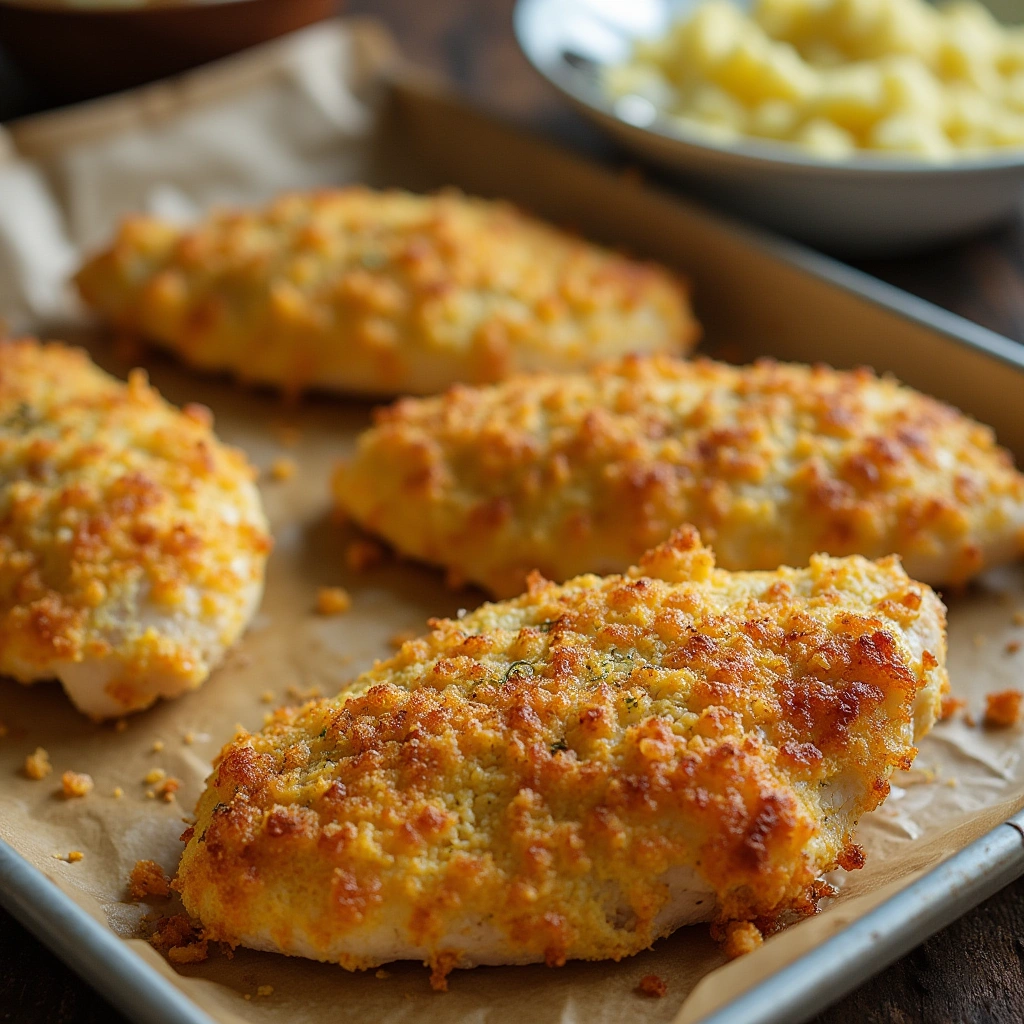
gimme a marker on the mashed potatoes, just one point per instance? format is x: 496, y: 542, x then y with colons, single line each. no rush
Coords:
x: 838, y: 77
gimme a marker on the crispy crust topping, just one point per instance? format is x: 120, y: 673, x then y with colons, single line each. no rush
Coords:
x: 383, y: 292
x: 112, y: 498
x: 545, y: 764
x: 771, y: 462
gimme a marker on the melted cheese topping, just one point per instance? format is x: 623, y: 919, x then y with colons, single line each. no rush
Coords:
x: 383, y: 293
x: 771, y: 462
x: 129, y: 535
x: 576, y: 772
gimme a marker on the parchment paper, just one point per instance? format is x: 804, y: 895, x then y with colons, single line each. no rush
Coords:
x: 297, y: 114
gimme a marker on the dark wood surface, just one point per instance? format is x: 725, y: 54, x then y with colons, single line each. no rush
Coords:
x: 971, y: 973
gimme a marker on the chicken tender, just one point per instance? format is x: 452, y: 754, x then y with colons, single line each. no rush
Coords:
x: 132, y: 542
x: 382, y: 293
x: 574, y: 773
x: 771, y: 462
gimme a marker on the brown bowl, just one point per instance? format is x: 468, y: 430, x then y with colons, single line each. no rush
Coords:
x: 74, y: 53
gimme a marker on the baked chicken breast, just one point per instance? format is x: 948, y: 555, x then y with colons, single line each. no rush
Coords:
x: 772, y: 463
x: 132, y: 542
x: 578, y: 771
x: 382, y: 293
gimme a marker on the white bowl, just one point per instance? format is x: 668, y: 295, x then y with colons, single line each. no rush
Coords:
x: 870, y: 205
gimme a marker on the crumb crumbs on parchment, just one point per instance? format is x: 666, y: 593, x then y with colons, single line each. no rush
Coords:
x: 397, y: 639
x: 1013, y: 646
x: 179, y: 940
x: 364, y: 554
x: 739, y: 938
x: 73, y: 857
x: 1003, y: 708
x: 382, y: 974
x: 980, y: 639
x: 652, y: 986
x: 952, y: 782
x: 950, y: 706
x: 189, y: 738
x: 148, y: 879
x: 970, y: 720
x: 154, y: 775
x: 120, y: 725
x: 267, y: 697
x: 37, y: 765
x: 264, y: 990
x: 75, y: 784
x: 158, y: 745
x: 168, y: 788
x: 283, y: 468
x: 118, y: 793
x: 333, y: 601
x: 1018, y: 617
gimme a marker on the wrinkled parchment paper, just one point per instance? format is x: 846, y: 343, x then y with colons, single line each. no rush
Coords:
x: 298, y: 114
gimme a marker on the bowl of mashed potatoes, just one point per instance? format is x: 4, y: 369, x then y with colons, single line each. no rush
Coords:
x: 862, y: 126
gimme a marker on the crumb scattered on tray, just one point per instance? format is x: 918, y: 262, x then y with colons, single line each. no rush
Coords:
x: 1003, y: 709
x: 1018, y: 617
x: 188, y: 739
x: 950, y: 706
x: 37, y: 765
x: 1013, y: 646
x: 740, y: 937
x: 167, y: 789
x: 118, y: 793
x: 333, y: 601
x: 652, y: 986
x: 265, y: 990
x: 154, y: 775
x: 283, y: 468
x: 382, y: 974
x: 75, y: 784
x: 158, y: 745
x: 364, y: 554
x: 267, y: 697
x: 182, y: 943
x: 980, y: 639
x: 120, y: 725
x: 74, y: 856
x: 148, y: 879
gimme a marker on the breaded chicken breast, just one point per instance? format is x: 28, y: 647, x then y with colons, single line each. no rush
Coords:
x: 382, y: 293
x: 771, y: 462
x: 578, y: 771
x: 132, y: 542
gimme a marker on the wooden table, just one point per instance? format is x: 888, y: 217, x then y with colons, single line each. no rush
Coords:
x: 971, y: 972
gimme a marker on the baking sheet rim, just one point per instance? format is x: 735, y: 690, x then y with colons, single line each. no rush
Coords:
x: 803, y: 988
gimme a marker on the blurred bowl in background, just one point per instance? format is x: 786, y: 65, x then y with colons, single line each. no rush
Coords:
x: 861, y: 206
x: 70, y: 51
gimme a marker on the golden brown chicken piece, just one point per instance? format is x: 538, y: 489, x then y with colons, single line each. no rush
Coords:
x: 772, y: 463
x: 382, y: 293
x: 578, y: 771
x: 132, y: 542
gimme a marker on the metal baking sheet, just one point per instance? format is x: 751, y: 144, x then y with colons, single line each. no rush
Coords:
x: 756, y: 292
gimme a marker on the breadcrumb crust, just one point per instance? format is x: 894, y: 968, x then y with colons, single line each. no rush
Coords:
x: 771, y: 462
x: 524, y: 783
x: 382, y: 292
x: 129, y: 535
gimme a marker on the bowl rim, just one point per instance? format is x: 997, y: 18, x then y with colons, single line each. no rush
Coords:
x: 763, y: 153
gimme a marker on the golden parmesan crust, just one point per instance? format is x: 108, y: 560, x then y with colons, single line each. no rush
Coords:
x: 552, y: 777
x: 382, y: 293
x: 131, y: 539
x: 771, y: 462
